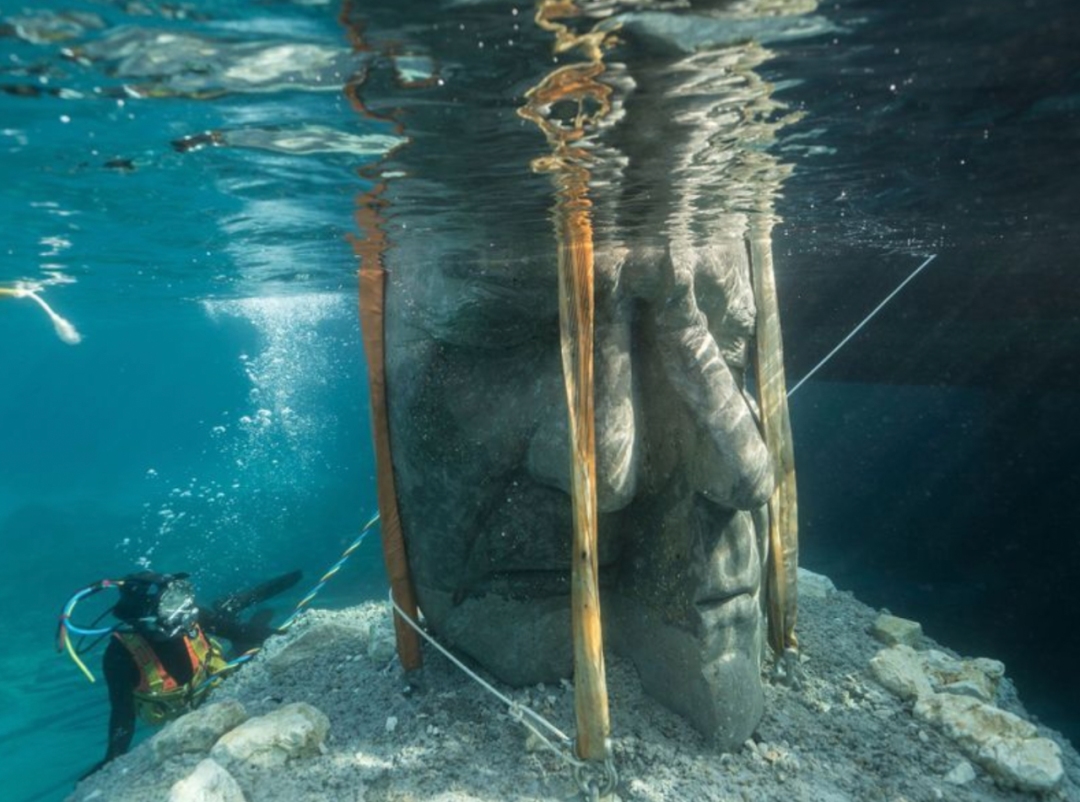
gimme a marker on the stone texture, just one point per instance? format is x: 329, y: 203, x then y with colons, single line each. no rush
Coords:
x: 293, y: 731
x: 1008, y: 747
x: 893, y: 631
x: 197, y: 731
x: 909, y: 673
x: 313, y: 644
x: 724, y: 703
x: 814, y: 586
x: 900, y: 669
x: 209, y: 782
x: 381, y: 643
x: 478, y: 418
x: 978, y: 678
x: 853, y: 742
x: 961, y: 774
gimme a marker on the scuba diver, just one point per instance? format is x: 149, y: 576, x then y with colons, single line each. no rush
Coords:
x: 161, y: 661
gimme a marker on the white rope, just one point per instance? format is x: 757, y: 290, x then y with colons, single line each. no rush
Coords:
x: 516, y: 709
x: 866, y: 320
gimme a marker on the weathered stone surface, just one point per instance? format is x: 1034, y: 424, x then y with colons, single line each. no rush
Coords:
x: 961, y: 774
x: 900, y: 669
x: 978, y: 678
x: 909, y: 673
x: 381, y: 643
x: 293, y: 731
x: 209, y: 782
x: 724, y: 703
x: 197, y: 731
x: 315, y: 644
x: 1008, y: 747
x: 814, y: 586
x: 893, y: 630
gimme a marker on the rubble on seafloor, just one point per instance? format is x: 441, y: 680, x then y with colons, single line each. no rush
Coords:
x: 323, y: 715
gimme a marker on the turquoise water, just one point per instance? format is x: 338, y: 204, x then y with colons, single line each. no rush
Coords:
x: 214, y: 417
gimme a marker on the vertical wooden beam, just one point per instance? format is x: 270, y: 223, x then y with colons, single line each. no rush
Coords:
x: 569, y: 165
x: 576, y: 324
x: 370, y: 249
x: 782, y: 575
x: 372, y: 302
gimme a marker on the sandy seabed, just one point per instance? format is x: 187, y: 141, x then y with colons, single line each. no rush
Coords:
x: 836, y: 737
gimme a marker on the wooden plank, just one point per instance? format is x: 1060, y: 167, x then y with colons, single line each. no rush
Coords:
x: 576, y: 309
x: 781, y: 589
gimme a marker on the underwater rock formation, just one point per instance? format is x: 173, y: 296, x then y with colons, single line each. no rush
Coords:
x: 293, y: 731
x: 893, y: 630
x: 208, y: 783
x: 198, y: 731
x: 1007, y: 746
x: 957, y: 697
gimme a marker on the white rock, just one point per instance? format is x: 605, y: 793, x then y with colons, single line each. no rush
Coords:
x: 381, y: 650
x: 967, y: 687
x: 995, y: 669
x: 1034, y: 764
x: 909, y: 673
x: 814, y: 586
x: 900, y: 670
x: 391, y: 724
x: 978, y: 678
x: 533, y: 743
x: 293, y: 731
x: 1005, y: 745
x: 381, y: 642
x: 961, y: 774
x: 893, y: 630
x: 209, y: 782
x: 197, y: 731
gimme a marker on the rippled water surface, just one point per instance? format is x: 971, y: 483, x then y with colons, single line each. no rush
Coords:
x: 190, y: 185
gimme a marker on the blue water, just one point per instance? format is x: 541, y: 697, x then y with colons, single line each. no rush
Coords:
x: 214, y: 417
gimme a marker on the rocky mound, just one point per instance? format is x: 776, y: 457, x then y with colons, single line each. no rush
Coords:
x: 322, y: 715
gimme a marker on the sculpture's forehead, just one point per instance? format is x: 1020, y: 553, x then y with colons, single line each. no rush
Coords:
x: 499, y: 296
x: 478, y: 297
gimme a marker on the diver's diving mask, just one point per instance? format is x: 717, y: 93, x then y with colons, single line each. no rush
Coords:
x: 160, y: 606
x: 175, y: 611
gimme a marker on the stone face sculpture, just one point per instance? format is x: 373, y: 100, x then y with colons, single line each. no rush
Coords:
x: 477, y: 407
x: 479, y: 436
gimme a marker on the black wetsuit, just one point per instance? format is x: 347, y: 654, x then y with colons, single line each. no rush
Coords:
x: 122, y: 676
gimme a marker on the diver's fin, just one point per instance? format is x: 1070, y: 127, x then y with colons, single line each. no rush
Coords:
x: 241, y: 600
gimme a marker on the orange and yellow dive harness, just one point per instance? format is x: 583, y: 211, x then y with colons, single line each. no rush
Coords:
x: 159, y: 697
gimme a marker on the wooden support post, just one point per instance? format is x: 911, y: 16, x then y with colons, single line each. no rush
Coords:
x: 372, y: 293
x: 782, y: 575
x: 576, y: 304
